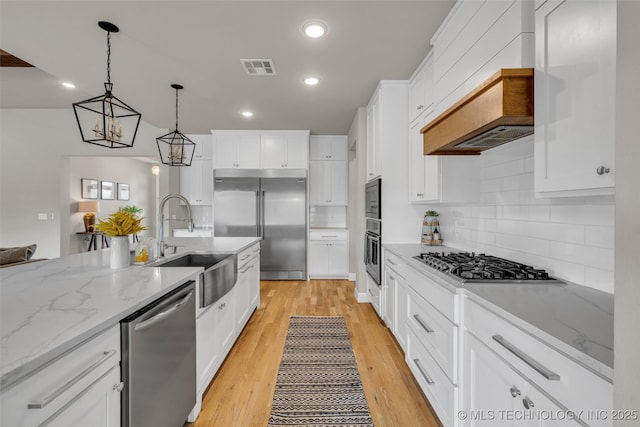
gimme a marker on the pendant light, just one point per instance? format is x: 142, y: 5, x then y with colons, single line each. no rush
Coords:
x: 106, y: 120
x: 175, y: 148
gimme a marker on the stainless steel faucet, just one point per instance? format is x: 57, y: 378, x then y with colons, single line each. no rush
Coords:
x: 161, y: 245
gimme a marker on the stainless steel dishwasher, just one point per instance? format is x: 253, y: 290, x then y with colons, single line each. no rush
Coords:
x: 159, y: 361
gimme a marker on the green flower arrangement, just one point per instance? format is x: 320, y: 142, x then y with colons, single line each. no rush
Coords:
x: 431, y: 213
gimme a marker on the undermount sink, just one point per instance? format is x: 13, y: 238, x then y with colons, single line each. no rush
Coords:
x: 219, y: 277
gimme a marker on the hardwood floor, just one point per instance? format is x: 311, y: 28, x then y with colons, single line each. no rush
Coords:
x: 241, y: 392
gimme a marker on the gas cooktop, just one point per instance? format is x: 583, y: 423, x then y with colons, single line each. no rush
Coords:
x: 469, y: 267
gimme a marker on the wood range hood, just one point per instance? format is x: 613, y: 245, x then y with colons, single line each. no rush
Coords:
x: 498, y: 111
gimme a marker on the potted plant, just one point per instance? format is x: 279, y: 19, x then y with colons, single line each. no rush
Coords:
x: 430, y: 216
x: 118, y: 226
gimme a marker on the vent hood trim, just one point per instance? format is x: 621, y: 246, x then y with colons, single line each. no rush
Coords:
x: 504, y: 100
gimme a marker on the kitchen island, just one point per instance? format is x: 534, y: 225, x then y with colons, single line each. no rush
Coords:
x: 51, y: 307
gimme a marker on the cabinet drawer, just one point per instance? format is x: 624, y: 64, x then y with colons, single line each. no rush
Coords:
x: 574, y: 386
x: 440, y: 392
x: 247, y: 255
x: 328, y: 235
x: 437, y: 295
x: 64, y: 381
x: 436, y: 332
x: 394, y: 262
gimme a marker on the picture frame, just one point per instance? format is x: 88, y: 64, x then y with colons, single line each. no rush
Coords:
x: 123, y: 191
x: 107, y: 190
x: 90, y: 188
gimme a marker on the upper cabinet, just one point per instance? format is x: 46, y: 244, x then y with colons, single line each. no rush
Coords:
x: 260, y: 149
x: 204, y: 147
x: 374, y: 144
x: 236, y: 151
x: 575, y: 97
x: 328, y: 147
x: 284, y: 151
x: 421, y: 89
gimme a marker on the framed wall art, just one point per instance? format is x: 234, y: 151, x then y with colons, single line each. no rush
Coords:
x: 89, y: 188
x: 108, y: 191
x: 123, y: 191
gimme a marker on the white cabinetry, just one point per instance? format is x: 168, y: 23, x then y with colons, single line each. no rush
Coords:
x: 236, y: 151
x: 374, y: 138
x: 248, y: 284
x: 328, y: 254
x: 327, y: 183
x: 421, y: 89
x: 82, y: 387
x: 446, y: 179
x: 504, y: 355
x: 328, y: 147
x: 575, y: 98
x: 196, y: 182
x: 204, y: 147
x: 284, y: 151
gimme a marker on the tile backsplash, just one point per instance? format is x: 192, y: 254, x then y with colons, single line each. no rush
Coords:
x: 572, y: 237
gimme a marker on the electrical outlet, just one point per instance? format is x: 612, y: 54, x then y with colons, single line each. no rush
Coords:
x: 42, y: 216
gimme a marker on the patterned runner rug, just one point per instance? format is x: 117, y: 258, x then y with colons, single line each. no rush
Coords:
x: 318, y: 382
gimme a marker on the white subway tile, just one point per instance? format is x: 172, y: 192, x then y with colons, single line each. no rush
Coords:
x: 524, y: 244
x: 526, y: 213
x: 599, y: 279
x: 518, y: 182
x: 600, y: 236
x: 479, y: 211
x: 491, y: 185
x: 558, y: 269
x: 586, y: 255
x: 568, y: 233
x: 584, y: 214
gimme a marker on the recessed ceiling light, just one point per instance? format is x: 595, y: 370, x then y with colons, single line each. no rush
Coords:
x: 68, y: 85
x: 311, y: 81
x: 247, y: 114
x: 314, y: 29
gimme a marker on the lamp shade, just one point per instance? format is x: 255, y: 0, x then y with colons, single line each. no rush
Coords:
x: 88, y: 206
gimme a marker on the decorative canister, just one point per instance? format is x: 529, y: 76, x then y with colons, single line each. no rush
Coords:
x: 119, y: 257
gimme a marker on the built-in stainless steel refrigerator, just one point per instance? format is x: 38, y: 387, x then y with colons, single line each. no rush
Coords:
x: 271, y: 204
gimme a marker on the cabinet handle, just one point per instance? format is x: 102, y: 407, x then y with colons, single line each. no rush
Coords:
x: 118, y: 387
x: 222, y: 306
x: 419, y: 194
x: 601, y: 170
x: 528, y: 403
x: 423, y: 324
x: 391, y: 262
x: 514, y: 391
x: 39, y: 404
x: 371, y: 293
x: 550, y: 375
x: 76, y: 398
x: 392, y: 278
x: 247, y: 269
x: 329, y: 236
x: 163, y: 314
x: 423, y: 372
x: 245, y: 257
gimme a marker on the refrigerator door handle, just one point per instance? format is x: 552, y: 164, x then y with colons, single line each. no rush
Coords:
x: 262, y: 215
x: 258, y: 215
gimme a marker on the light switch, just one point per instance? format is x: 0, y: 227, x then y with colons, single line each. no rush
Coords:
x: 42, y: 216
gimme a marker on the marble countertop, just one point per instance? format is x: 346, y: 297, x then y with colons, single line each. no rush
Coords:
x: 49, y: 307
x: 578, y: 320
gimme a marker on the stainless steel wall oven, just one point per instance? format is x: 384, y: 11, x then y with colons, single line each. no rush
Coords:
x: 373, y: 250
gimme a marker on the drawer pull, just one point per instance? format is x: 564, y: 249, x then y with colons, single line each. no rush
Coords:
x: 514, y: 391
x: 329, y: 236
x: 550, y: 375
x: 371, y: 293
x: 423, y: 324
x: 391, y: 262
x: 245, y: 257
x: 423, y: 372
x: 75, y: 399
x: 247, y: 269
x: 392, y: 278
x: 528, y: 403
x: 39, y: 404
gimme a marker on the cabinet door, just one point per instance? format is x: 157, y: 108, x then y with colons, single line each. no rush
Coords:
x: 248, y: 152
x: 205, y: 169
x: 372, y: 140
x: 318, y: 258
x: 297, y: 152
x: 226, y: 327
x: 254, y: 282
x: 204, y: 146
x: 190, y: 182
x: 226, y: 149
x: 575, y: 97
x: 242, y: 296
x: 338, y: 259
x: 272, y: 151
x: 389, y: 295
x: 338, y: 148
x: 317, y: 184
x: 416, y: 163
x: 416, y: 95
x: 319, y: 147
x: 97, y: 406
x: 336, y: 179
x: 401, y: 310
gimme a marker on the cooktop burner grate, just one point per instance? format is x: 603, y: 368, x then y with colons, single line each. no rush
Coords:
x: 470, y: 267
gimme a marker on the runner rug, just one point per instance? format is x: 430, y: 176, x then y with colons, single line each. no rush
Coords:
x: 318, y: 381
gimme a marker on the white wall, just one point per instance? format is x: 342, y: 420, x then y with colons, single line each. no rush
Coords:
x: 34, y: 174
x: 572, y: 238
x: 357, y: 142
x: 135, y: 172
x: 627, y: 296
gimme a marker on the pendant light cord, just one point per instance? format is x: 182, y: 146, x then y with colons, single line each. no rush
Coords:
x: 108, y: 57
x: 176, y: 109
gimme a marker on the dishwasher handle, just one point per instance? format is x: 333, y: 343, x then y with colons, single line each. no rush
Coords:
x: 163, y: 314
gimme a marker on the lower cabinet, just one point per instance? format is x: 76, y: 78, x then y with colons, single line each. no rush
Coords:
x: 81, y: 388
x: 389, y: 287
x: 328, y: 254
x: 496, y: 394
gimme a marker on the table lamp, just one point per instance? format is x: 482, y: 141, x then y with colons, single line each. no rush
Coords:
x: 89, y: 218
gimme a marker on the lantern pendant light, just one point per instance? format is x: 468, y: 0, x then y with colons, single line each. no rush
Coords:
x: 175, y: 148
x: 106, y: 120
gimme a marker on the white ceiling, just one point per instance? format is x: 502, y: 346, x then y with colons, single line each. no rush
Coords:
x: 199, y: 44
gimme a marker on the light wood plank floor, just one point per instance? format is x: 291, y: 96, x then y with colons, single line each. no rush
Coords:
x: 241, y: 393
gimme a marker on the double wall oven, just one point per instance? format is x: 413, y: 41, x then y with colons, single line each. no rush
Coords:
x: 372, y: 238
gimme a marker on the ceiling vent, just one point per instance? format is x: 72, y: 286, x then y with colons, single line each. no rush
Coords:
x: 259, y: 67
